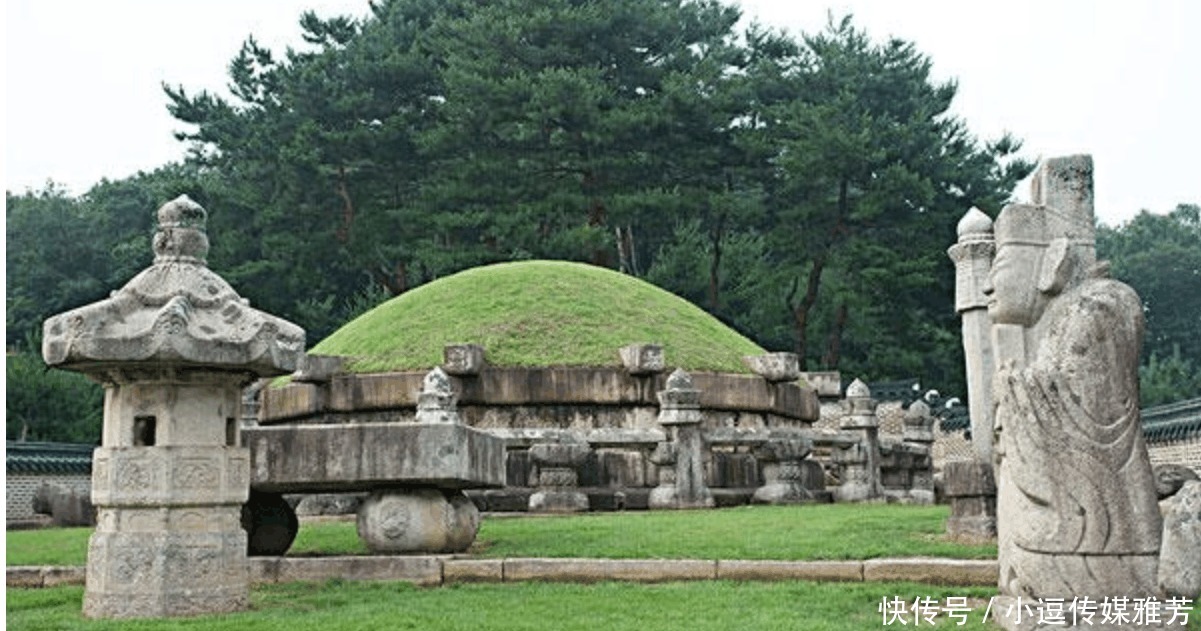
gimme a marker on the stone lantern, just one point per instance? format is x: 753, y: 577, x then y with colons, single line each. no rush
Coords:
x: 173, y: 348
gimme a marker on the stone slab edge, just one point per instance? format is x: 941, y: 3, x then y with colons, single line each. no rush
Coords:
x: 954, y: 572
x: 430, y: 571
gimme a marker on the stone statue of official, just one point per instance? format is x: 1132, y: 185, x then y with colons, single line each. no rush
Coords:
x: 1077, y: 511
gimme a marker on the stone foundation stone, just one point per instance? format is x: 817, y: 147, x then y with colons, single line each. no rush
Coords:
x: 418, y: 520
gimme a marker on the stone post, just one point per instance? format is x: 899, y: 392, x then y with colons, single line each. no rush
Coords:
x: 680, y: 416
x: 641, y: 360
x: 969, y: 486
x: 973, y: 256
x: 860, y: 460
x: 558, y: 478
x: 919, y: 433
x: 411, y: 519
x: 173, y: 348
x: 784, y: 471
x: 436, y: 403
x: 463, y: 360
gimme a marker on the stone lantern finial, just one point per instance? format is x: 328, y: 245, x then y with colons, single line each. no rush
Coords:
x: 181, y: 235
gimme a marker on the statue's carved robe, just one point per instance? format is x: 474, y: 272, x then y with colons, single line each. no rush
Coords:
x: 1075, y: 466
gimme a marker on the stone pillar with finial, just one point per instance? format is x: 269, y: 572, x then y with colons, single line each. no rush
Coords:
x: 680, y: 416
x: 173, y: 348
x: 860, y: 458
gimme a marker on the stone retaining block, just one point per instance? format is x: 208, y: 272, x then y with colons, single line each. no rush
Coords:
x: 956, y: 572
x: 790, y: 570
x: 434, y: 570
x: 592, y: 570
x: 473, y: 571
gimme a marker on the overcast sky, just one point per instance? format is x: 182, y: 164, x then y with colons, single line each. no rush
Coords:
x: 1114, y: 79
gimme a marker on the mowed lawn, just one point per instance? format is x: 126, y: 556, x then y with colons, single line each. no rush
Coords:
x: 826, y: 531
x: 698, y: 606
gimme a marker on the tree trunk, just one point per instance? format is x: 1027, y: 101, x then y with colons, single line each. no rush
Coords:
x: 715, y: 238
x: 801, y: 312
x: 834, y: 342
x: 343, y: 232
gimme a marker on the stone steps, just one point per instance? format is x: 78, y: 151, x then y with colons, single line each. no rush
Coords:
x: 435, y: 570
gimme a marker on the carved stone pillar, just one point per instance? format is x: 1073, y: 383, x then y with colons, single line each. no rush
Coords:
x: 784, y: 471
x: 918, y: 434
x: 860, y: 460
x: 680, y: 416
x: 174, y: 347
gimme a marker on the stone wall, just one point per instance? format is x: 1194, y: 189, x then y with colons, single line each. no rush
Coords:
x: 613, y: 412
x: 1182, y: 452
x: 19, y: 490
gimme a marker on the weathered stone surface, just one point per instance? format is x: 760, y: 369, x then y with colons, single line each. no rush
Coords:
x: 177, y: 311
x: 824, y: 383
x: 365, y: 456
x: 961, y: 572
x: 436, y: 403
x: 679, y: 414
x: 642, y: 359
x: 592, y: 570
x: 1076, y: 503
x: 1180, y: 556
x: 463, y: 359
x: 775, y: 367
x: 786, y: 479
x: 65, y: 506
x: 318, y: 368
x: 918, y: 424
x: 559, y: 386
x: 790, y: 570
x: 473, y: 570
x: 63, y: 575
x: 1170, y: 477
x: 420, y: 570
x: 968, y: 478
x: 971, y: 490
x: 973, y: 256
x: 174, y: 348
x: 558, y: 478
x: 23, y: 576
x: 418, y: 520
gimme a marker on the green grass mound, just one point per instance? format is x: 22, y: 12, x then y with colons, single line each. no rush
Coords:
x: 537, y: 313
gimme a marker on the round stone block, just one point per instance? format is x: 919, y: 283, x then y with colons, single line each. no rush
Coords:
x: 418, y: 520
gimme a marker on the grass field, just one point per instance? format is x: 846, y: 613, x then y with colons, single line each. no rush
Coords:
x: 827, y: 531
x: 537, y: 313
x: 700, y: 606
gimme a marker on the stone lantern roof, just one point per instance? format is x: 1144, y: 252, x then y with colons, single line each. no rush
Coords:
x: 177, y: 312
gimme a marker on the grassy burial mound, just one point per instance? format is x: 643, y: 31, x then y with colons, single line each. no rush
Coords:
x: 537, y: 313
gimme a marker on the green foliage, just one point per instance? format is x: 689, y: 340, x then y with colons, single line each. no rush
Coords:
x: 1160, y: 257
x: 702, y: 605
x: 1168, y: 379
x: 537, y: 313
x: 801, y: 190
x: 50, y: 405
